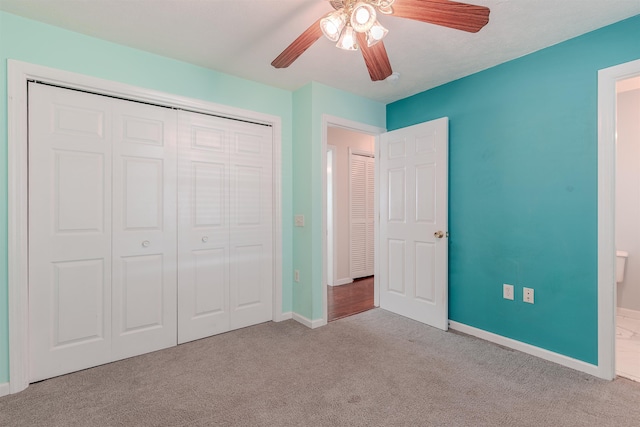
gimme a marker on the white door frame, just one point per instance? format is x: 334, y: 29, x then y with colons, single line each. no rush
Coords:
x: 19, y: 73
x: 331, y: 216
x: 607, y: 79
x: 338, y: 122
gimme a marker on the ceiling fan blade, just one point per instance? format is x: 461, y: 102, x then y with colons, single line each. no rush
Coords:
x: 376, y: 58
x: 299, y: 45
x: 461, y: 16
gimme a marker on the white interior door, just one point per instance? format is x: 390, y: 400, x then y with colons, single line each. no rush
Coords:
x: 251, y: 224
x: 414, y: 221
x: 203, y: 246
x: 144, y: 228
x: 69, y: 231
x: 225, y: 225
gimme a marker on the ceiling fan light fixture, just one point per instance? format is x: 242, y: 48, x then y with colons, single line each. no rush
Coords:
x: 376, y: 33
x: 384, y: 6
x: 332, y: 24
x: 348, y: 39
x: 363, y: 17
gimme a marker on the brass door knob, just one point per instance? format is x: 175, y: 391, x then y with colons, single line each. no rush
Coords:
x: 438, y: 234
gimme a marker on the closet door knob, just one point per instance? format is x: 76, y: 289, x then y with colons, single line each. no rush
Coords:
x: 204, y: 239
x: 146, y: 244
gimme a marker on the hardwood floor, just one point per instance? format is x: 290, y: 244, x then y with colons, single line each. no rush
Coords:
x: 346, y: 300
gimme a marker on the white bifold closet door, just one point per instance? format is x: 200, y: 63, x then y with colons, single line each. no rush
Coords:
x: 225, y: 249
x: 362, y: 215
x: 102, y: 229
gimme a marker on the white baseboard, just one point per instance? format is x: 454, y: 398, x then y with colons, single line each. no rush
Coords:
x: 560, y: 359
x: 4, y: 389
x: 344, y: 281
x: 308, y: 322
x: 626, y: 312
x: 284, y: 316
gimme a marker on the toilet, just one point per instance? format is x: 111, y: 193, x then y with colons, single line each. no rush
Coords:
x: 621, y: 259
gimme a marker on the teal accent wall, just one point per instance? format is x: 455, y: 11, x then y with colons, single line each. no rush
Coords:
x: 42, y: 44
x: 310, y: 103
x: 523, y: 188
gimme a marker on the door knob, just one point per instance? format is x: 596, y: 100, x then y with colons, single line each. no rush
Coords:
x: 145, y: 244
x: 204, y: 239
x: 438, y: 234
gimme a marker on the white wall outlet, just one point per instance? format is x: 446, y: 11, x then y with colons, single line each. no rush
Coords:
x: 296, y: 275
x: 507, y: 291
x: 527, y: 295
x: 299, y: 220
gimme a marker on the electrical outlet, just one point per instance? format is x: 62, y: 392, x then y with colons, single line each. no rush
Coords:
x: 299, y: 220
x: 527, y: 295
x: 296, y: 275
x: 507, y: 291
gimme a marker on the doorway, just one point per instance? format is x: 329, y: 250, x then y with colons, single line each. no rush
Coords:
x: 627, y: 208
x: 350, y: 221
x: 338, y: 283
x: 607, y: 292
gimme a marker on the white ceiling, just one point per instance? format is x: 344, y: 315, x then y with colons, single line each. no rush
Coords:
x: 242, y: 37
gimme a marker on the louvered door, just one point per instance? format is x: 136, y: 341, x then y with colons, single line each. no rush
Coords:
x: 362, y: 199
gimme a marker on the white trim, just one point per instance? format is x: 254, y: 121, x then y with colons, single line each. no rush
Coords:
x: 308, y: 322
x: 359, y: 152
x: 18, y: 75
x: 18, y: 228
x: 628, y: 313
x: 607, y: 79
x: 526, y: 348
x: 332, y: 233
x: 376, y: 241
x: 4, y: 389
x: 285, y: 316
x: 277, y: 220
x: 333, y: 121
x: 344, y: 281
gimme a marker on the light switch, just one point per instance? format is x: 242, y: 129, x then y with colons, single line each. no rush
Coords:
x: 299, y: 220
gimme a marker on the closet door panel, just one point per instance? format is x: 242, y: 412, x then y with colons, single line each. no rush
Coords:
x: 69, y: 231
x: 144, y: 228
x: 251, y: 224
x: 203, y: 245
x: 225, y: 225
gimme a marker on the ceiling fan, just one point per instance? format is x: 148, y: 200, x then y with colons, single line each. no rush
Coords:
x: 353, y: 24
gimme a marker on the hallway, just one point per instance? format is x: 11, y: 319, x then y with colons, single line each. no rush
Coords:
x: 346, y: 300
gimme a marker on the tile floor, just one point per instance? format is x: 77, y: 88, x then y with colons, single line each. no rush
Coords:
x: 628, y: 344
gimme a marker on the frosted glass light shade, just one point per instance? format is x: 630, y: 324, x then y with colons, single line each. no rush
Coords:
x: 348, y: 39
x: 376, y: 33
x: 332, y: 24
x: 363, y: 17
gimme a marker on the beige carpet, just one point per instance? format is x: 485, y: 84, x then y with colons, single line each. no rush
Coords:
x: 372, y: 369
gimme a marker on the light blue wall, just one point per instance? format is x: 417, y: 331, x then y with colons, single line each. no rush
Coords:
x: 523, y: 188
x: 37, y: 43
x: 310, y: 104
x: 302, y: 188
